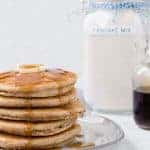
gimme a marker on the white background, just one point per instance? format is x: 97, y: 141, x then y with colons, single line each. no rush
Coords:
x: 38, y: 31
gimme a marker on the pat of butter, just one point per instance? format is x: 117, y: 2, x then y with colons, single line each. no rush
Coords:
x: 30, y: 68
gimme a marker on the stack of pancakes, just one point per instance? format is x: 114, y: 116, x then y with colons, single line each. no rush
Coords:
x: 38, y: 108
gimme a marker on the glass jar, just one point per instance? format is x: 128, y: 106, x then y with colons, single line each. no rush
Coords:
x: 141, y: 80
x: 113, y: 44
x: 141, y: 94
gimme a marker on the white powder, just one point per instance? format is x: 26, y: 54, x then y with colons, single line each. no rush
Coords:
x: 110, y: 58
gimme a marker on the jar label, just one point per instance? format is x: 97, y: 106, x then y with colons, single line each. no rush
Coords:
x: 110, y: 30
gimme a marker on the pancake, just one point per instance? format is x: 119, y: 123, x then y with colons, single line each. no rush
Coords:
x: 39, y: 94
x: 43, y: 114
x: 45, y: 83
x: 37, y: 102
x: 36, y: 129
x: 11, y: 142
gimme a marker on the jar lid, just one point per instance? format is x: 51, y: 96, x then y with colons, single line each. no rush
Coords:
x: 114, y: 4
x: 34, y: 80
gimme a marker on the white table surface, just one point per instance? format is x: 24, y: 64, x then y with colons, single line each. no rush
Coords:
x: 135, y: 138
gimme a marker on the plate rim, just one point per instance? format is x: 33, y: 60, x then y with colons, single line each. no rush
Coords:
x: 88, y: 110
x: 122, y: 133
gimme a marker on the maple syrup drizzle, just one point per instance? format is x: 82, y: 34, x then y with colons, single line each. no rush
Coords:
x: 55, y: 76
x: 29, y: 126
x: 28, y: 82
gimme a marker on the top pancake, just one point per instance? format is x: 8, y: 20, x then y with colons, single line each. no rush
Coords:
x: 51, y: 82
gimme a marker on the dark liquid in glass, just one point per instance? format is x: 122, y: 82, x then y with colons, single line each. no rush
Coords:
x: 142, y: 107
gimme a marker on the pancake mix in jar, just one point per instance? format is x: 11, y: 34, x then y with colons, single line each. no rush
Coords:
x: 113, y: 44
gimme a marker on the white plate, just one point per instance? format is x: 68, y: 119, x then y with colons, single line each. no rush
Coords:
x: 97, y: 132
x: 100, y: 131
